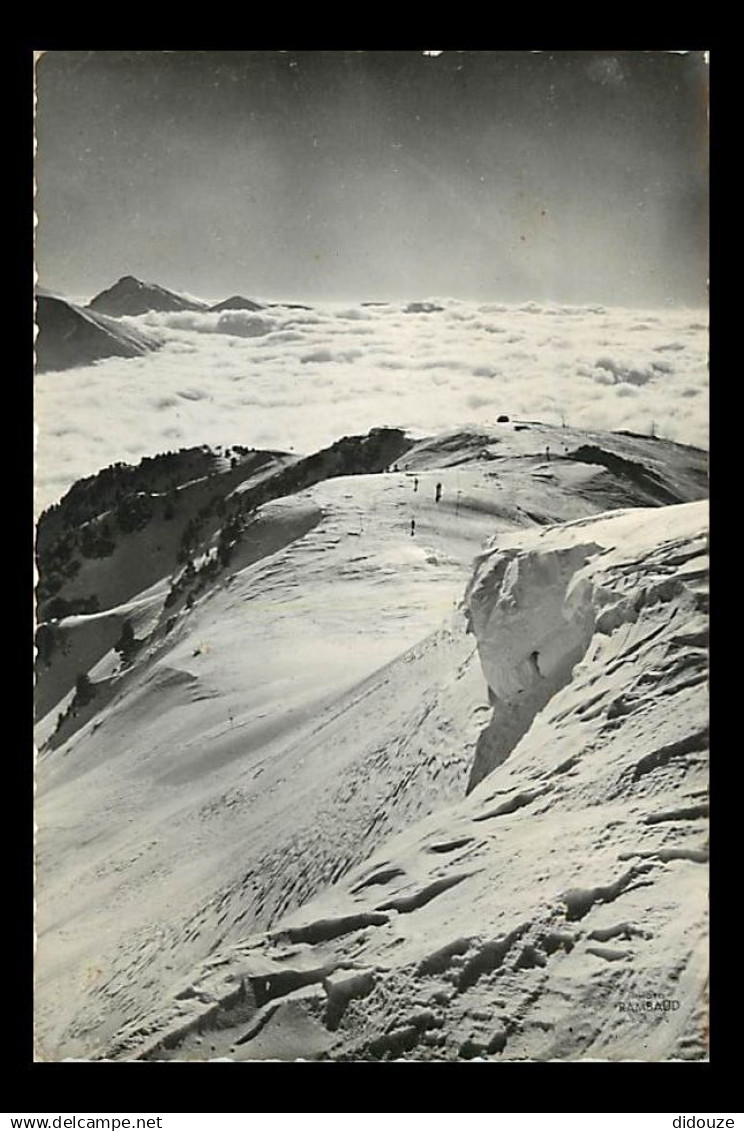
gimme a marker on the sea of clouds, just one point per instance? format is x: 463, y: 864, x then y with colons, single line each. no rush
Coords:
x: 297, y: 380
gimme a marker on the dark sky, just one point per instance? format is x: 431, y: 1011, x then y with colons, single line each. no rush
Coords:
x: 572, y: 176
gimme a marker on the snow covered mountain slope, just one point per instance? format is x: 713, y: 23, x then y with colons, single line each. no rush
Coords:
x: 560, y: 910
x: 318, y: 704
x: 70, y: 336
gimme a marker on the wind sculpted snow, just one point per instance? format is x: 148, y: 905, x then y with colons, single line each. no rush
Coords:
x: 279, y: 857
x: 560, y: 912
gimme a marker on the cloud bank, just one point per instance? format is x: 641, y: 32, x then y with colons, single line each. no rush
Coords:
x: 299, y: 379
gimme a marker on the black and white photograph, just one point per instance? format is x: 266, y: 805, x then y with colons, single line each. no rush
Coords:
x: 371, y: 430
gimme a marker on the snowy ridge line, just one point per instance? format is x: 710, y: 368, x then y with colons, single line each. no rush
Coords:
x: 480, y: 931
x: 256, y: 760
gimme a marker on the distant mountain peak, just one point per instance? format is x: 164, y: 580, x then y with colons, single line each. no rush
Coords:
x: 236, y: 302
x: 130, y: 295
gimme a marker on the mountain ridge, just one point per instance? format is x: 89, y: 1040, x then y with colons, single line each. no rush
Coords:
x: 70, y: 335
x: 252, y: 755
